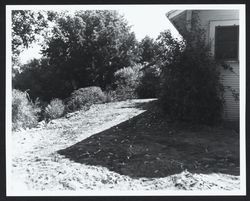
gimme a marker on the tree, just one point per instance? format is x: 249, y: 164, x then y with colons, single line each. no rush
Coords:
x: 27, y: 25
x: 88, y: 47
x: 148, y: 49
x: 83, y: 49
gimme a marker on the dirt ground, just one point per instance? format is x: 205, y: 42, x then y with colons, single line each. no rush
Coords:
x: 124, y: 146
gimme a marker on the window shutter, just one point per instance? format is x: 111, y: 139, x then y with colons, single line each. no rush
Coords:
x: 226, y: 42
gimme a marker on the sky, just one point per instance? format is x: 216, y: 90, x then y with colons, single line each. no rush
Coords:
x: 148, y: 21
x: 145, y: 20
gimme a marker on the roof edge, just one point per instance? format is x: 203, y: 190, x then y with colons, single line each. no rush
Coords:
x: 173, y: 13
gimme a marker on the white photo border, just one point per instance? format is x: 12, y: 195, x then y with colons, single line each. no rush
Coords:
x: 242, y: 59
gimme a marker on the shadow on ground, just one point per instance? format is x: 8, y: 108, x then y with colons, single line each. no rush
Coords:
x: 149, y: 146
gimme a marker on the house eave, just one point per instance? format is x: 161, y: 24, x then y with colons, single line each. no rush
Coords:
x: 173, y: 14
x: 181, y: 19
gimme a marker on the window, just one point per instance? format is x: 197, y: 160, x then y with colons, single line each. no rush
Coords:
x: 226, y: 42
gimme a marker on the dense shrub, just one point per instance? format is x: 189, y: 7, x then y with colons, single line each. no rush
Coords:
x: 43, y: 80
x: 54, y: 109
x: 24, y: 112
x: 123, y: 93
x: 149, y: 85
x: 109, y: 96
x: 127, y: 80
x: 83, y: 98
x: 191, y: 88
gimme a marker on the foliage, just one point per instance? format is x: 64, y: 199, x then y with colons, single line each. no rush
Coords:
x: 24, y: 112
x: 234, y: 92
x: 127, y: 80
x: 42, y: 80
x: 88, y: 47
x: 54, y: 109
x: 148, y: 49
x: 149, y: 85
x: 123, y: 93
x: 109, y: 96
x: 26, y: 27
x: 83, y: 98
x: 84, y: 49
x: 190, y: 87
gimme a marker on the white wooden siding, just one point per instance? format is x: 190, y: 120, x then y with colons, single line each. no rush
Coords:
x: 209, y: 19
x: 231, y: 110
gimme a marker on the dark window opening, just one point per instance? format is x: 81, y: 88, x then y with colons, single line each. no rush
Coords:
x: 227, y: 42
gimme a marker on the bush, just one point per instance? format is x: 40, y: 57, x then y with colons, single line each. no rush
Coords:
x: 149, y: 85
x: 123, y: 93
x: 109, y: 96
x: 83, y: 98
x: 191, y: 88
x: 127, y: 80
x: 25, y: 114
x: 55, y: 109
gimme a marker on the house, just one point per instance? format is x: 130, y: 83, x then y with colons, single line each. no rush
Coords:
x: 222, y: 32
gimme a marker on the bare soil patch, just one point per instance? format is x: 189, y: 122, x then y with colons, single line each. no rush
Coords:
x: 123, y: 146
x: 150, y: 146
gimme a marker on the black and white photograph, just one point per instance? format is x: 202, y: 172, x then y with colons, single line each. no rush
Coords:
x: 125, y: 100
